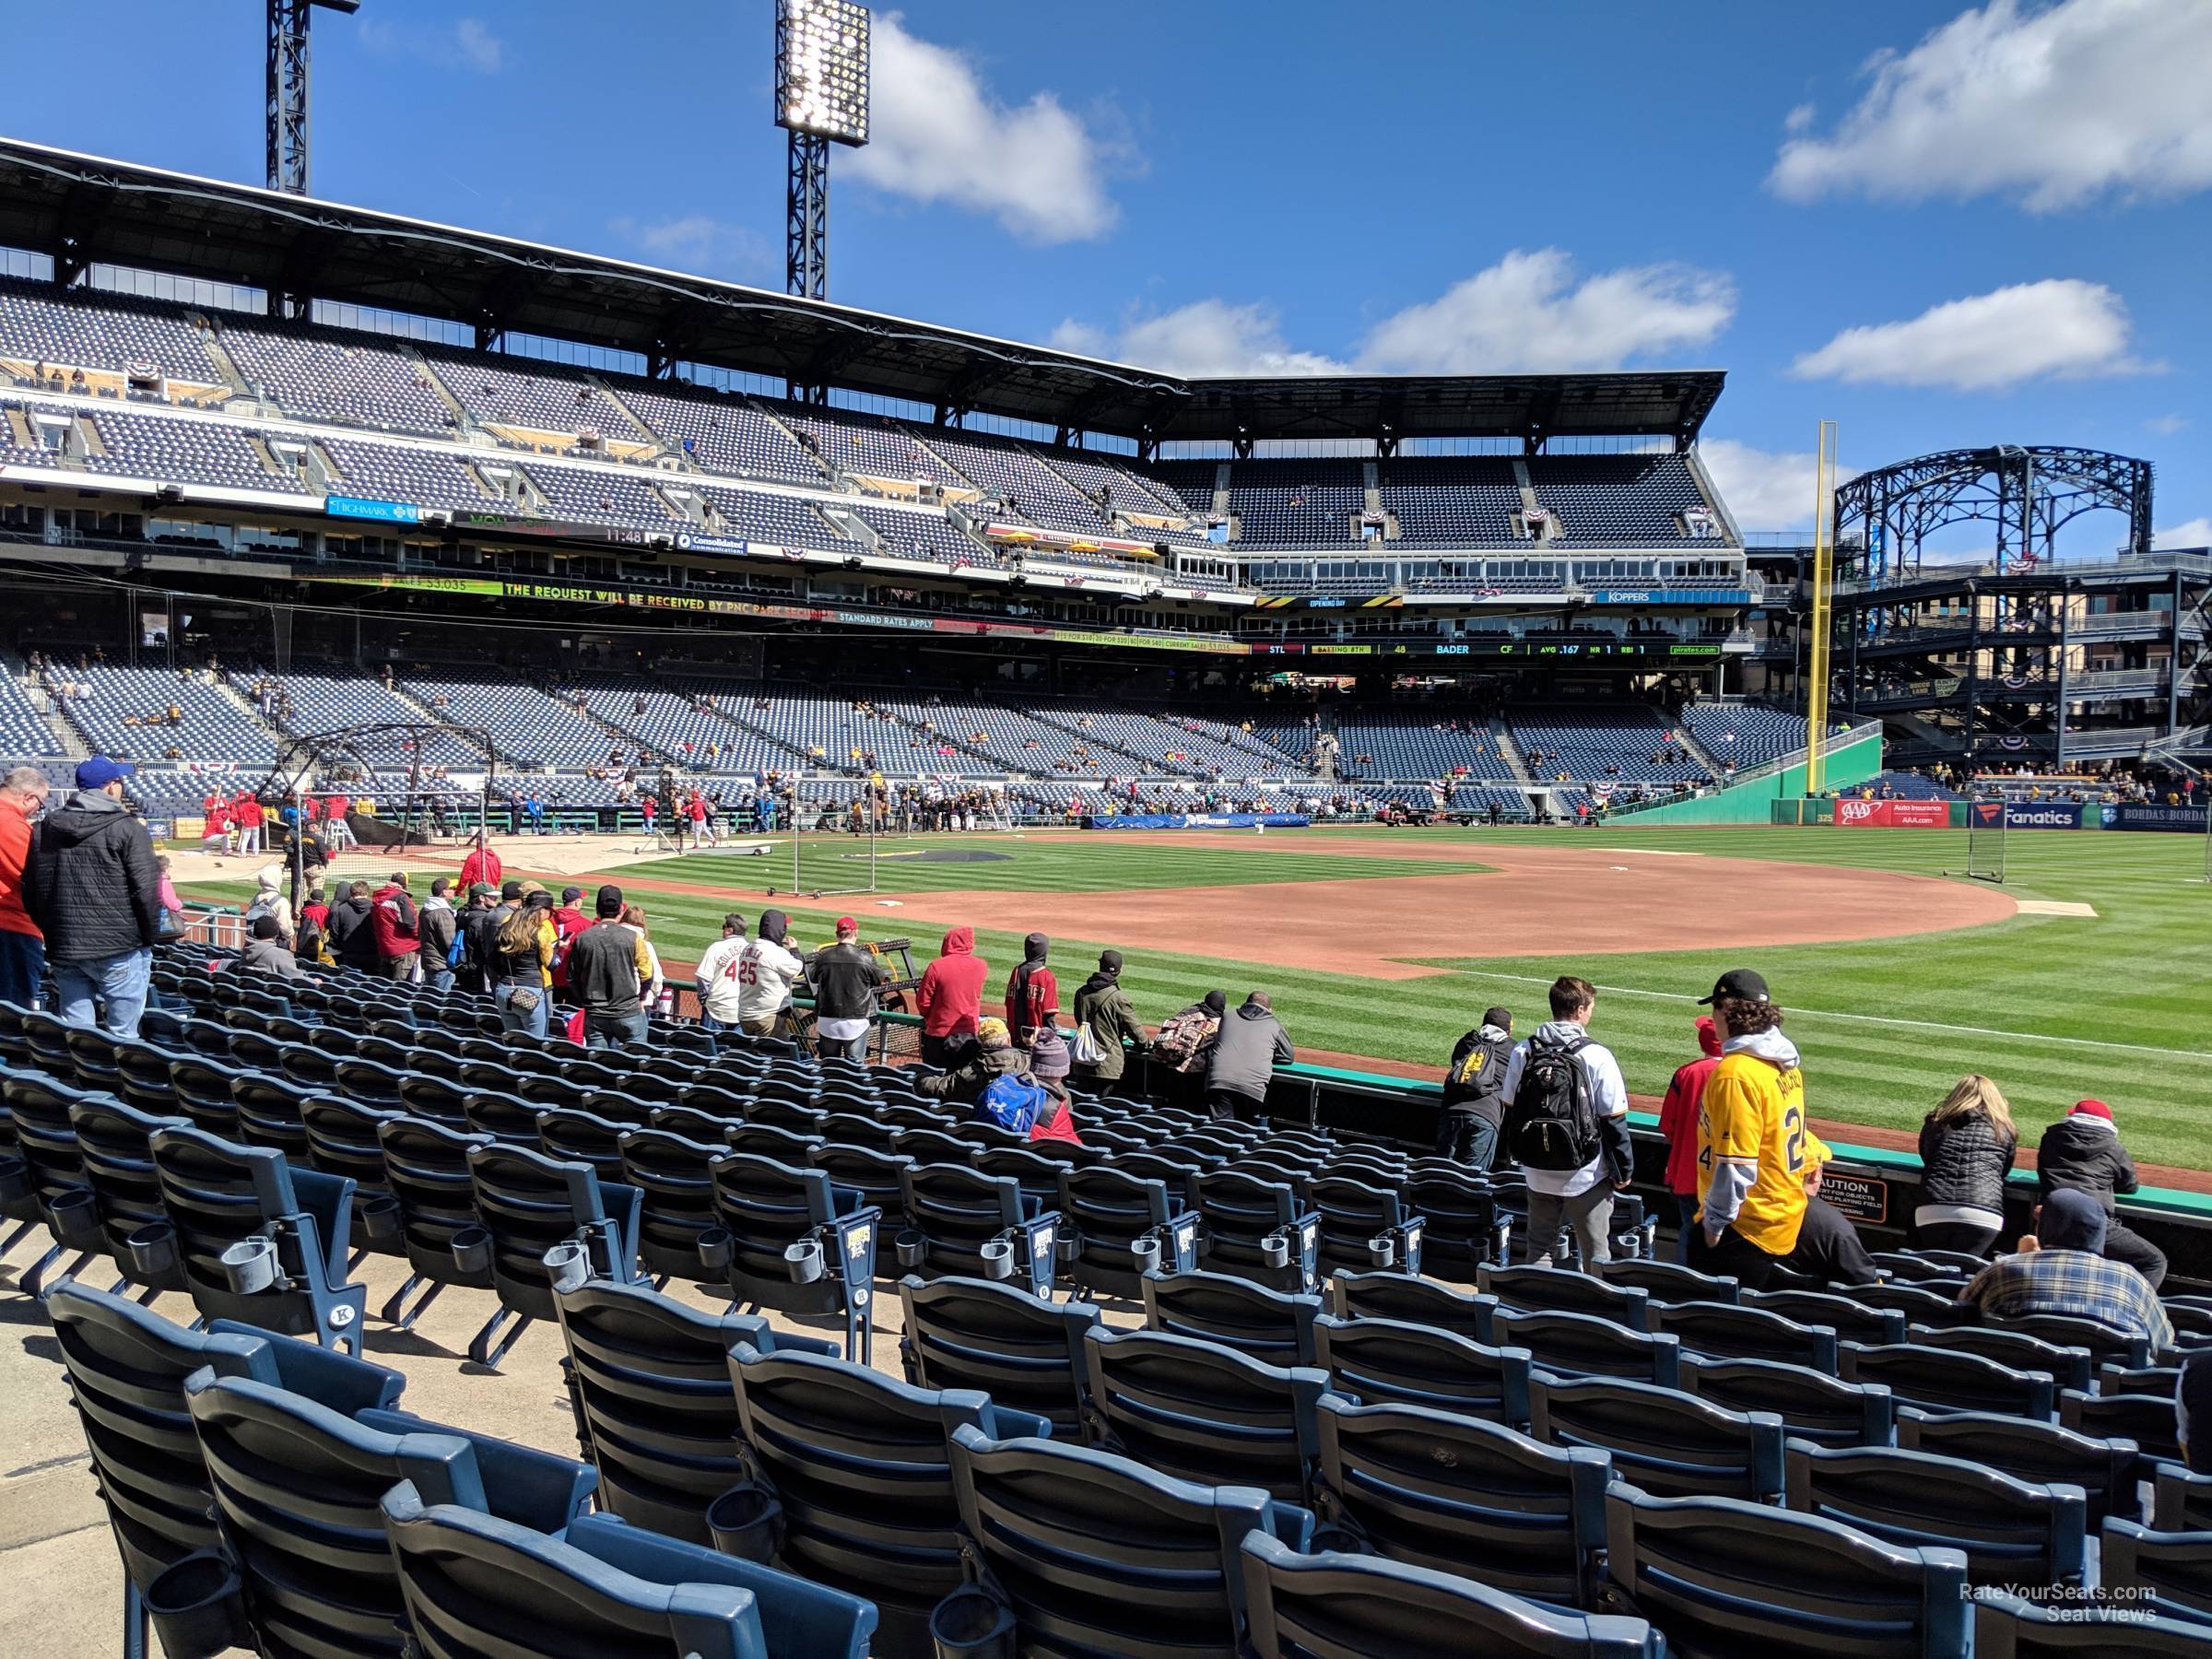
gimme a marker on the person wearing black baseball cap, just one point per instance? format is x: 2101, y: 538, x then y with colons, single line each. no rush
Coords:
x: 1759, y: 1160
x: 608, y: 968
x: 92, y: 886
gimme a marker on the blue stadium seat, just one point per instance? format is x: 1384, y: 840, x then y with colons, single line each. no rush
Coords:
x: 649, y: 1382
x: 1373, y: 1360
x: 2168, y: 1574
x: 1257, y: 1229
x: 1852, y: 1321
x: 473, y: 1584
x: 542, y: 1222
x: 1812, y: 1404
x: 1661, y: 1440
x: 1022, y: 1351
x: 2013, y: 1533
x: 1562, y: 1291
x: 1083, y: 1552
x: 1465, y: 1228
x: 50, y: 1187
x: 2006, y: 1626
x: 966, y: 1224
x: 2106, y: 1346
x: 127, y: 1370
x: 2181, y: 1498
x: 2069, y: 1366
x: 1449, y: 1492
x: 1723, y: 1577
x: 1364, y: 1226
x: 1202, y: 1412
x: 2147, y: 1419
x: 431, y: 1199
x: 1412, y: 1302
x: 2106, y: 1470
x: 1724, y: 1331
x: 1580, y: 1344
x: 115, y: 1143
x: 1668, y: 1281
x: 1936, y: 1380
x: 1114, y: 1228
x: 794, y: 1241
x: 1270, y: 1325
x: 1310, y: 1607
x: 675, y: 1204
x: 296, y: 1488
x: 260, y: 1242
x: 850, y: 1482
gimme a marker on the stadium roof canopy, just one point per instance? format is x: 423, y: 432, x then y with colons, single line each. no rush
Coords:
x: 83, y: 210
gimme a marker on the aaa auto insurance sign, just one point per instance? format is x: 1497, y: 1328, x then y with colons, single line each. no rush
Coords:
x: 1893, y: 815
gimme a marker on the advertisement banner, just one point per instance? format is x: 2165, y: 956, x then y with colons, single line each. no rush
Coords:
x: 2142, y: 815
x: 1892, y: 815
x: 1201, y: 820
x: 2042, y: 814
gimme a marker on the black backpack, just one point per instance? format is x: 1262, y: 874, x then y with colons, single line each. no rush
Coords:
x: 1552, y: 1125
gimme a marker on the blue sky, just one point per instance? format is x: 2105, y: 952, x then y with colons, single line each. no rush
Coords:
x: 1936, y: 227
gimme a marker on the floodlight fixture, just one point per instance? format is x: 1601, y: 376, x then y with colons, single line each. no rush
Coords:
x: 823, y: 69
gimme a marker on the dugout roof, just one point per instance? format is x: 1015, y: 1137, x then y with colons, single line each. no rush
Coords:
x: 83, y: 210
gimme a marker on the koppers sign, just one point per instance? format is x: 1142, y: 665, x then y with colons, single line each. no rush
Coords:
x: 1892, y: 815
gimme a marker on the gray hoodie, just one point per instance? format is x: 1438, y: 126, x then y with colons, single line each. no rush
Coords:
x: 1251, y: 1045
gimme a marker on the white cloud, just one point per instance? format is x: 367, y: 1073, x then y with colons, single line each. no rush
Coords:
x: 1765, y: 489
x: 2053, y: 106
x: 1527, y: 314
x: 1206, y: 338
x: 2166, y: 426
x: 2197, y: 533
x: 937, y: 134
x: 696, y: 242
x: 2058, y: 329
x: 467, y: 44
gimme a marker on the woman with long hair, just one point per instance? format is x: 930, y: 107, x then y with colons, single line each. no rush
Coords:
x: 1967, y: 1144
x: 521, y: 971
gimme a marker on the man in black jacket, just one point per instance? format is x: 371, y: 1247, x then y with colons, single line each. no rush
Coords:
x: 2082, y: 1151
x: 1467, y: 1130
x: 605, y: 971
x: 93, y: 887
x: 845, y: 978
x: 350, y: 938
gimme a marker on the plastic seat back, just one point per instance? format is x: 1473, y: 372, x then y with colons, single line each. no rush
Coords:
x: 1724, y: 1331
x: 115, y: 1145
x: 1452, y: 1493
x: 1562, y: 1291
x: 1022, y: 1351
x: 1464, y: 1231
x: 1851, y: 1320
x: 205, y: 1091
x: 1669, y: 1281
x: 649, y: 1380
x: 2147, y: 1419
x: 1359, y: 1216
x: 1812, y: 1404
x: 1302, y: 1605
x: 1270, y: 1325
x: 1580, y: 1344
x: 2006, y: 1626
x: 1111, y: 1217
x: 531, y: 1203
x: 1258, y: 1230
x: 972, y: 1225
x: 1093, y: 1553
x: 473, y: 1584
x: 296, y: 1227
x: 2106, y: 1346
x: 342, y: 1138
x: 579, y: 1136
x: 1722, y: 1576
x: 1412, y: 1302
x: 2012, y: 1532
x: 1202, y: 1412
x: 1661, y: 1440
x: 433, y: 1195
x: 676, y: 1207
x: 2069, y: 1366
x: 860, y: 1470
x: 1936, y: 1380
x: 767, y: 1209
x: 2169, y: 1573
x: 1374, y: 1361
x: 2106, y: 1470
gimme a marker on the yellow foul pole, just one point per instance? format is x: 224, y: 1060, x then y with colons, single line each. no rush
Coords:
x: 1824, y: 576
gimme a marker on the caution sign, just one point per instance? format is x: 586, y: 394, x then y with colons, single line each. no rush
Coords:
x: 1865, y: 1198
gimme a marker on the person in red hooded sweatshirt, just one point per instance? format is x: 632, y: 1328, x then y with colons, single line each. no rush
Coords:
x: 481, y: 865
x: 950, y: 994
x: 568, y: 922
x: 391, y: 921
x: 1032, y: 993
x: 1678, y: 1123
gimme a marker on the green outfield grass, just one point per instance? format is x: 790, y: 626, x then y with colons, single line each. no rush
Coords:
x: 1103, y: 865
x: 2052, y: 1007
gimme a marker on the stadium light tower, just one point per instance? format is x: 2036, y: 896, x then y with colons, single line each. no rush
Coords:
x: 821, y: 98
x: 288, y: 90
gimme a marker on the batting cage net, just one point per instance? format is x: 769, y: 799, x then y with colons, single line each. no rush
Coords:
x: 836, y: 826
x: 1985, y: 839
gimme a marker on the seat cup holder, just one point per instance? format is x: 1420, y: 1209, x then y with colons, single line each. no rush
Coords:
x: 968, y: 1624
x: 472, y: 1249
x: 1069, y: 1246
x: 913, y: 1246
x: 714, y: 1247
x: 744, y: 1522
x: 74, y: 1216
x: 803, y: 1261
x: 568, y: 1264
x: 1275, y: 1251
x: 152, y: 1249
x: 379, y: 1215
x: 998, y: 1259
x: 196, y: 1608
x: 1382, y: 1250
x: 1146, y: 1253
x: 250, y: 1265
